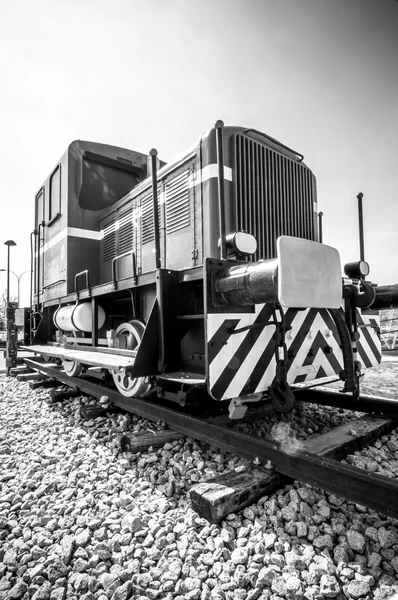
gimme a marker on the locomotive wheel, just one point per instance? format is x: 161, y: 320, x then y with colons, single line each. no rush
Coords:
x: 71, y: 367
x: 128, y: 336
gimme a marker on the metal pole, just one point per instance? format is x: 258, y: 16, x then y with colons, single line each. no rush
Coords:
x: 360, y: 218
x: 12, y: 337
x: 8, y: 275
x: 94, y: 322
x: 153, y: 154
x: 221, y: 196
x: 320, y: 216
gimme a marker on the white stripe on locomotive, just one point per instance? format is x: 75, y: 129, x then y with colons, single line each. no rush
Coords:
x: 87, y: 234
x: 208, y: 172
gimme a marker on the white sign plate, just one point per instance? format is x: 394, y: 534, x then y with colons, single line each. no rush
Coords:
x: 309, y: 274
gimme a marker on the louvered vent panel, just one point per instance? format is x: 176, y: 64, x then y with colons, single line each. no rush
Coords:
x: 275, y: 196
x: 177, y: 203
x: 126, y: 231
x: 147, y: 229
x: 109, y: 242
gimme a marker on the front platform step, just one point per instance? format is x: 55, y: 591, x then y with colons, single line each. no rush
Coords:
x: 182, y: 377
x: 181, y: 386
x: 86, y: 357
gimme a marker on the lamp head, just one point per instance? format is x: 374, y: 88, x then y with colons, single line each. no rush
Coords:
x: 10, y: 243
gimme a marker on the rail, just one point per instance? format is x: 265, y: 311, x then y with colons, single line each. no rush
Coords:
x: 356, y: 485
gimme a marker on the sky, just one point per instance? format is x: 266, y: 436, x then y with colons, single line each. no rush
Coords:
x: 321, y: 76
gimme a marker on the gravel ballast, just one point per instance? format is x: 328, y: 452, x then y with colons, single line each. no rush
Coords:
x: 81, y: 519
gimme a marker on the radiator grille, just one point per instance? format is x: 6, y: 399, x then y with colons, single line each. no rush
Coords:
x: 275, y: 196
x: 177, y: 203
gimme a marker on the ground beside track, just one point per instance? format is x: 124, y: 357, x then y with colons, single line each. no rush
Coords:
x: 80, y: 519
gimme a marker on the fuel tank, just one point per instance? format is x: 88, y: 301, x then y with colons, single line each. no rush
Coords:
x: 78, y: 317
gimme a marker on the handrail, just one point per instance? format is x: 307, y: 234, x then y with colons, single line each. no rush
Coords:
x: 134, y: 264
x: 274, y: 141
x: 40, y: 228
x: 87, y: 276
x: 32, y: 278
x: 45, y: 287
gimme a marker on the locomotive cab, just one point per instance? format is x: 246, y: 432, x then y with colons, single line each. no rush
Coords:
x: 87, y: 179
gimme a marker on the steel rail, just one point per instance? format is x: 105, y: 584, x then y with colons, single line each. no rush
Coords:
x: 355, y: 485
x: 385, y: 407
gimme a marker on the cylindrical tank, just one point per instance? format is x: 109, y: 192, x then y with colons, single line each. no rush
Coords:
x: 78, y: 317
x: 386, y: 297
x: 250, y: 283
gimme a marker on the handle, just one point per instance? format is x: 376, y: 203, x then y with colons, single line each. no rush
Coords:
x: 87, y: 277
x: 116, y: 259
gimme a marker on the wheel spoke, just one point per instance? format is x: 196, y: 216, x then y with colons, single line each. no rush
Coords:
x: 129, y: 336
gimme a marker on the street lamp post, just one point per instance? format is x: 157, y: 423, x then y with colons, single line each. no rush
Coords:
x: 12, y: 341
x: 8, y: 243
x: 18, y: 278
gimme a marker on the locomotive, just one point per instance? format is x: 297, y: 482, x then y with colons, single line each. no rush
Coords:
x: 204, y: 276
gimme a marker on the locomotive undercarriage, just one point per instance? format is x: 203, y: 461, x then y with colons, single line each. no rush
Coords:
x: 171, y: 365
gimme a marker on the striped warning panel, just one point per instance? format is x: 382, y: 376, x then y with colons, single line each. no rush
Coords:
x: 241, y: 348
x: 369, y: 344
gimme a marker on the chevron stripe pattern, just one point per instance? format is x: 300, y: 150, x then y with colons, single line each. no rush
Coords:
x: 369, y: 345
x: 242, y: 361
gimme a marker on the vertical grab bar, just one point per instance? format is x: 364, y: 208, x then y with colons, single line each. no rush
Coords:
x: 87, y: 276
x: 221, y: 195
x: 153, y: 154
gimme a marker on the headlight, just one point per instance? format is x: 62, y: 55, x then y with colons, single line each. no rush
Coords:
x: 357, y: 270
x: 241, y: 242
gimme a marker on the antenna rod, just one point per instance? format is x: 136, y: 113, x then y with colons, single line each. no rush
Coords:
x: 320, y: 216
x: 360, y: 219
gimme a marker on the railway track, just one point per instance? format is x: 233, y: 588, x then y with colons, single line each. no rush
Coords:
x: 316, y: 463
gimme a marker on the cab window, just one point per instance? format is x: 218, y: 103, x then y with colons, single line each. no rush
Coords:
x: 104, y: 180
